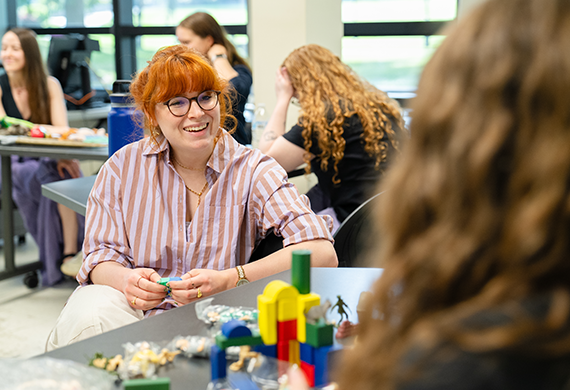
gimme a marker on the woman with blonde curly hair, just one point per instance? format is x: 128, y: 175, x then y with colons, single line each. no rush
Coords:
x: 347, y: 130
x: 475, y: 228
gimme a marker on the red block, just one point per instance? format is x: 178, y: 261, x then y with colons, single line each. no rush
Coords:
x: 286, y: 330
x: 283, y: 350
x: 309, y: 371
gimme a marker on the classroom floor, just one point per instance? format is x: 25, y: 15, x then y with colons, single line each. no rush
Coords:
x: 28, y: 315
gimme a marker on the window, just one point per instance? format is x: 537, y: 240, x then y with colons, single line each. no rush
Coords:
x: 388, y: 42
x: 64, y: 13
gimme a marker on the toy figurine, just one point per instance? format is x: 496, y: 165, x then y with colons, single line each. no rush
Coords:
x: 340, y: 305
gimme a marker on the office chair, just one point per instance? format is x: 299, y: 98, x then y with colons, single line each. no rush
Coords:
x: 353, y: 236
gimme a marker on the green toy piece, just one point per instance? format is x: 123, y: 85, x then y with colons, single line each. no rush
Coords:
x: 319, y: 334
x: 340, y: 305
x: 223, y: 342
x: 147, y: 384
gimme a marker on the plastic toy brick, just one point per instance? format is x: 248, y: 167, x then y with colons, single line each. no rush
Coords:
x: 235, y: 328
x: 304, y: 303
x: 147, y: 384
x: 309, y: 371
x: 319, y: 335
x: 267, y: 350
x: 218, y: 362
x: 294, y: 353
x: 301, y: 271
x: 223, y: 342
x: 283, y: 351
x: 287, y: 330
x: 307, y: 353
x: 164, y: 281
x: 321, y: 365
x: 287, y: 309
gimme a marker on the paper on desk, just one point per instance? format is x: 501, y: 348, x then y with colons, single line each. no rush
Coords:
x: 8, y: 139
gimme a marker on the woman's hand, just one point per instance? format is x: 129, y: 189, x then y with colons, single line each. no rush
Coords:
x: 200, y: 283
x: 216, y: 49
x: 296, y: 379
x: 283, y: 86
x: 71, y: 166
x: 142, y: 290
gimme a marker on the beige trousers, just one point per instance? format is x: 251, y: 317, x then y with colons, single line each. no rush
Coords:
x: 91, y: 310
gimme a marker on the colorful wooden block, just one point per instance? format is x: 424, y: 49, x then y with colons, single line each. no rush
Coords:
x: 267, y: 307
x: 319, y: 335
x: 301, y: 271
x: 287, y: 330
x: 294, y: 352
x: 223, y: 342
x: 304, y: 303
x: 307, y: 353
x: 309, y: 371
x: 267, y: 350
x: 287, y: 309
x: 283, y: 350
x: 147, y: 384
x: 218, y: 362
x: 235, y: 328
x: 322, y: 365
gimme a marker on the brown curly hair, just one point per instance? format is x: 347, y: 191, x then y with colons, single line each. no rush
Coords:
x: 477, y: 215
x: 329, y: 92
x: 173, y: 71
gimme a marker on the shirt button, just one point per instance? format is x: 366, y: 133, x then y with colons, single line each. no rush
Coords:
x: 180, y: 228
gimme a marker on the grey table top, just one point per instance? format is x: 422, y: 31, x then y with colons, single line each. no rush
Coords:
x: 56, y: 152
x: 72, y: 193
x: 194, y: 373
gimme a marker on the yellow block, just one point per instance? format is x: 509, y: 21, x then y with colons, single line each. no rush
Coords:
x: 267, y: 319
x: 294, y: 352
x: 304, y: 303
x: 287, y: 309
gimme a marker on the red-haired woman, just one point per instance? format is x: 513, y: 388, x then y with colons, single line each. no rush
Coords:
x: 189, y: 201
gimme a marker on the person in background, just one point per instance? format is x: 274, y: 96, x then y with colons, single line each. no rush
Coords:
x: 27, y: 92
x: 347, y: 131
x: 475, y: 292
x: 189, y: 202
x: 200, y: 31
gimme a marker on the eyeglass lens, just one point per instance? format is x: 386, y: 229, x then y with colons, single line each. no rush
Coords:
x: 180, y: 105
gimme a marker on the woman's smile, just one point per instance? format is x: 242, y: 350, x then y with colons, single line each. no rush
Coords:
x: 196, y: 128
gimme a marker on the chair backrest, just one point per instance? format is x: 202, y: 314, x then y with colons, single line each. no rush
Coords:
x: 271, y: 243
x: 353, y: 236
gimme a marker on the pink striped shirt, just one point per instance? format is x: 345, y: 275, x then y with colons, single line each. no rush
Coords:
x: 137, y: 207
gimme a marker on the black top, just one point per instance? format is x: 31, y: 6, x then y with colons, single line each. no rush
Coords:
x: 242, y: 84
x: 448, y: 367
x: 7, y: 99
x: 356, y: 172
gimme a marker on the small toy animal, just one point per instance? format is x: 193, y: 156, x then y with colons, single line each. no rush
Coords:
x: 317, y: 312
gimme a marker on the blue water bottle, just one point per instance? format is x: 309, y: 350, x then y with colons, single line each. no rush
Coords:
x: 124, y: 125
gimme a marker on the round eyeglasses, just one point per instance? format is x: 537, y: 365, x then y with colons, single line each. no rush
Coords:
x: 180, y: 105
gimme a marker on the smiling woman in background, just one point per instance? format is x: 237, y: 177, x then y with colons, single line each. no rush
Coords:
x: 201, y: 32
x: 27, y: 92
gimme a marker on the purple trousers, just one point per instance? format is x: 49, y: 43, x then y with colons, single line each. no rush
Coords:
x: 40, y: 214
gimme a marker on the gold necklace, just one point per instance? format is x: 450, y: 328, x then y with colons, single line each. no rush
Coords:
x: 197, y: 193
x: 185, y: 167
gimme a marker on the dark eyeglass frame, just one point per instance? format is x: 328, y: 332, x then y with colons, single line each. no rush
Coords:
x: 217, y: 94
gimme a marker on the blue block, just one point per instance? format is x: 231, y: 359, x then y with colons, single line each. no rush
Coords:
x: 218, y: 362
x: 321, y: 369
x: 267, y: 350
x: 235, y: 328
x: 241, y: 381
x: 307, y: 353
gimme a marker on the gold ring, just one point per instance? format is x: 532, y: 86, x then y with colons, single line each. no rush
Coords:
x: 138, y: 281
x: 199, y: 294
x: 134, y: 301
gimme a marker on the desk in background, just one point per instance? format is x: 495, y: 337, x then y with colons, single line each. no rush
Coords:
x: 72, y: 193
x: 194, y: 373
x: 55, y: 152
x: 89, y: 117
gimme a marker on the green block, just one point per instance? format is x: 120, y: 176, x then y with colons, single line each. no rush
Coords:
x: 319, y: 335
x: 223, y: 342
x: 301, y: 271
x: 147, y: 384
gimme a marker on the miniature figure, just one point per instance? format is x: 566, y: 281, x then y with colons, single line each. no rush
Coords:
x: 341, y: 305
x: 317, y: 312
x: 244, y: 353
